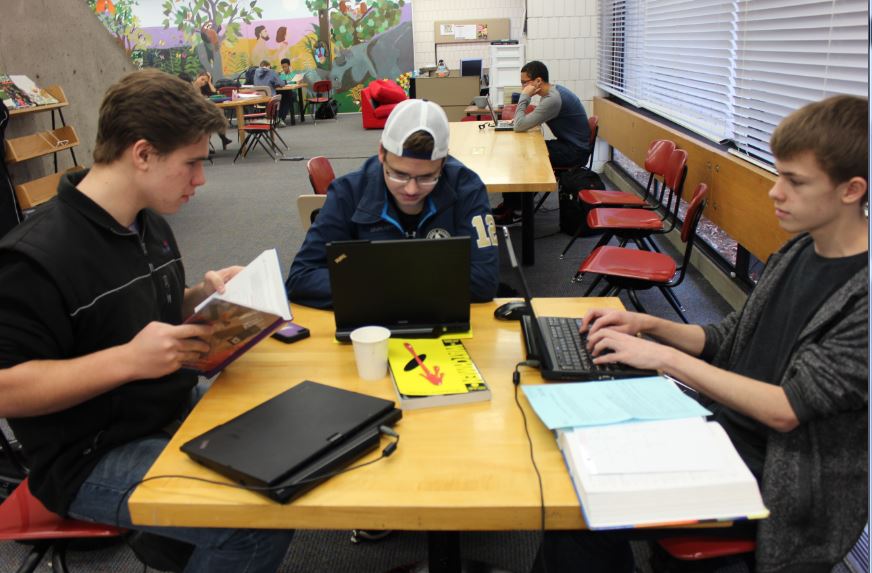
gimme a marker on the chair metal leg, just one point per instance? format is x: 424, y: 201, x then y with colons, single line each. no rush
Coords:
x: 635, y: 300
x: 33, y: 559
x: 539, y: 204
x: 674, y: 302
x: 242, y: 146
x: 593, y: 285
x: 59, y: 557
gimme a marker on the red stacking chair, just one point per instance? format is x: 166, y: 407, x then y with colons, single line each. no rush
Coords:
x: 321, y: 90
x: 635, y: 269
x: 263, y: 130
x: 508, y: 111
x: 700, y: 548
x: 477, y: 118
x: 320, y: 174
x: 24, y: 518
x: 656, y: 163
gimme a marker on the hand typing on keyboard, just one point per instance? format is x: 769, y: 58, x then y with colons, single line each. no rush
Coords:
x: 609, y: 345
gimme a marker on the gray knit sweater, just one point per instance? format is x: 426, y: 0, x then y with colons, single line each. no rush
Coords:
x: 815, y: 478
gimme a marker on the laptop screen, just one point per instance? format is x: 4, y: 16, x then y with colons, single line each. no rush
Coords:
x: 412, y: 287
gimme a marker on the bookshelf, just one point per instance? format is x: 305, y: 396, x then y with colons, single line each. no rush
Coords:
x: 60, y: 137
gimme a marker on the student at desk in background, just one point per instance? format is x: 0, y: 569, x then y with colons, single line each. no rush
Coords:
x: 91, y: 340
x: 789, y: 372
x: 563, y: 113
x: 411, y: 189
x: 288, y: 97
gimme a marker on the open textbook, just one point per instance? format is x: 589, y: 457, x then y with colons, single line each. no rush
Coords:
x: 252, y: 306
x: 668, y: 472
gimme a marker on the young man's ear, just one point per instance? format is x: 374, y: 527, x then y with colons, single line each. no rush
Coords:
x: 855, y: 190
x: 381, y: 154
x: 140, y: 152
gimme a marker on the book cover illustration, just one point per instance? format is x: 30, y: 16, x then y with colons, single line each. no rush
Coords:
x: 36, y: 95
x: 433, y: 367
x: 12, y: 96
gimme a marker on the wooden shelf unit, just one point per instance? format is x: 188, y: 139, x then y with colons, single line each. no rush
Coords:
x: 24, y: 148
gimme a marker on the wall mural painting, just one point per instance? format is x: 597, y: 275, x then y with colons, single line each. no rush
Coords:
x: 350, y: 42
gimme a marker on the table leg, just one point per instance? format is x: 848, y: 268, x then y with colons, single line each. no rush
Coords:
x: 528, y: 247
x: 240, y: 121
x: 301, y: 97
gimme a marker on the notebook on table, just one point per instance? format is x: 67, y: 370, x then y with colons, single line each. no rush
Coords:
x: 558, y: 346
x: 416, y: 288
x: 290, y: 442
x: 499, y: 124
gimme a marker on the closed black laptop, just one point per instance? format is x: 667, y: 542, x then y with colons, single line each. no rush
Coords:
x: 291, y: 441
x: 416, y: 288
x: 556, y: 343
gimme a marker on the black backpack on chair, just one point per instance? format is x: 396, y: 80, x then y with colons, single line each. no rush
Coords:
x: 327, y: 110
x: 573, y: 213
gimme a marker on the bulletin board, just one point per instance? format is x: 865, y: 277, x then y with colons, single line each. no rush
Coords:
x: 465, y: 31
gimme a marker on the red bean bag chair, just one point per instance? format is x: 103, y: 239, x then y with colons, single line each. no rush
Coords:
x: 377, y: 101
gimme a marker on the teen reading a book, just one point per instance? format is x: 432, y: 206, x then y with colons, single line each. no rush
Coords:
x: 411, y: 189
x: 91, y: 340
x: 788, y: 372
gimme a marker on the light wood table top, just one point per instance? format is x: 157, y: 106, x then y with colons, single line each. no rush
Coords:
x: 506, y: 161
x: 456, y: 468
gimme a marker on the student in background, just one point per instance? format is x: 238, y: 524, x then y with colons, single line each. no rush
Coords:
x: 789, y: 372
x: 265, y: 76
x: 411, y: 189
x: 563, y: 113
x: 288, y: 97
x: 91, y: 333
x: 203, y: 82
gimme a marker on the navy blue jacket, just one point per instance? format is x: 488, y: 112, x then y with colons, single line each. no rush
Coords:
x: 357, y: 207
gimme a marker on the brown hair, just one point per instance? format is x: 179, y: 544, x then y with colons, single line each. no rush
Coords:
x: 835, y: 130
x: 152, y: 105
x: 419, y: 143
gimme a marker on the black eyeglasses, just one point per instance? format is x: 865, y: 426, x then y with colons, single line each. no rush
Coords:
x: 423, y: 181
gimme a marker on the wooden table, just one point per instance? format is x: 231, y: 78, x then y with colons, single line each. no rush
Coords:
x: 507, y: 162
x: 238, y: 105
x: 300, y: 88
x: 456, y: 468
x: 480, y: 111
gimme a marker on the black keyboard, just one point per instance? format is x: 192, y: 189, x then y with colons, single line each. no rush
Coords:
x: 570, y: 347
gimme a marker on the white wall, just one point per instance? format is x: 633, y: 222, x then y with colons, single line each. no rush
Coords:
x: 426, y: 12
x: 560, y: 33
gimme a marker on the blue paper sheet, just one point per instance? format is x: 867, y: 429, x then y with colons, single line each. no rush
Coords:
x: 610, y: 402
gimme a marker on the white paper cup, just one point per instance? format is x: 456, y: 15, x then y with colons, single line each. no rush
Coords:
x: 480, y: 101
x: 371, y: 351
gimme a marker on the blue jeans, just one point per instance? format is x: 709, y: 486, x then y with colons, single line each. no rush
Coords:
x: 216, y: 550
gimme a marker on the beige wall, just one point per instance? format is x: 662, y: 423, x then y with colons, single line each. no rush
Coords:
x: 59, y: 42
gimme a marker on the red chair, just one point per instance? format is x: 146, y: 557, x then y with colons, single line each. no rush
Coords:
x: 378, y: 100
x: 699, y: 548
x: 477, y: 118
x: 656, y: 161
x: 263, y: 130
x: 321, y: 90
x: 320, y: 174
x: 635, y: 269
x: 509, y: 109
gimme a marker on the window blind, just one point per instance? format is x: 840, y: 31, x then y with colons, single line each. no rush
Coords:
x: 732, y: 68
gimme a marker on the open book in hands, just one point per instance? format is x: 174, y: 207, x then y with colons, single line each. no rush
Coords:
x: 252, y: 306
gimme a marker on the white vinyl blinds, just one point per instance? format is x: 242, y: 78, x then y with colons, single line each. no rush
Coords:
x: 732, y: 68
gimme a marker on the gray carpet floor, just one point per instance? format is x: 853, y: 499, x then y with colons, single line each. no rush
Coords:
x: 250, y: 206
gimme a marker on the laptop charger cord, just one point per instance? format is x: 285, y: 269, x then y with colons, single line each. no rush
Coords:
x: 516, y: 381
x: 385, y: 453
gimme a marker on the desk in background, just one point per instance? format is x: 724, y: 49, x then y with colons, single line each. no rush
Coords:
x: 239, y: 105
x: 507, y: 162
x: 453, y: 94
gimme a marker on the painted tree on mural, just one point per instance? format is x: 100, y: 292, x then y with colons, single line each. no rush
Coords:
x: 206, y: 24
x: 119, y: 19
x: 353, y: 22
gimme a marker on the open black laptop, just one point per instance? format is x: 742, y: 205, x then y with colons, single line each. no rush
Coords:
x: 416, y: 288
x: 290, y: 442
x: 558, y: 346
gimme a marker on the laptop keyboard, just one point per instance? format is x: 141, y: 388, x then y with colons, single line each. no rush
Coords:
x: 570, y: 347
x: 504, y: 124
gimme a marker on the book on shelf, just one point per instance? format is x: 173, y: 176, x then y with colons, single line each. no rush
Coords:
x: 669, y: 472
x: 36, y: 94
x: 11, y: 95
x: 431, y: 372
x: 252, y: 306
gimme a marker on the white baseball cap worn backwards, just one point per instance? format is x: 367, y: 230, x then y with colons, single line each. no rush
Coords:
x: 414, y: 115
